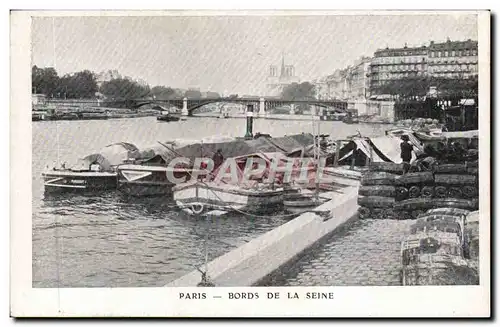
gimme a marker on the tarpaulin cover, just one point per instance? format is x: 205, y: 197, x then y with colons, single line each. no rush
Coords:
x: 390, y: 147
x: 111, y: 155
x: 304, y: 139
x: 384, y: 148
x: 285, y: 143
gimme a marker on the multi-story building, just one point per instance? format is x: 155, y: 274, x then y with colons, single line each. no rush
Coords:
x: 457, y: 59
x: 397, y: 63
x: 336, y: 85
x: 357, y: 79
x: 321, y: 88
x: 276, y: 81
x: 450, y: 59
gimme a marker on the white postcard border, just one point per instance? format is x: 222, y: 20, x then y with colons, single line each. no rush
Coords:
x: 447, y: 301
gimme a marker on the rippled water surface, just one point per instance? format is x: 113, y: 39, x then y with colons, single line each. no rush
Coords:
x: 105, y: 239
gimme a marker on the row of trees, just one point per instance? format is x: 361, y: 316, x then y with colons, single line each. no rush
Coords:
x: 299, y: 91
x: 419, y: 86
x: 84, y: 85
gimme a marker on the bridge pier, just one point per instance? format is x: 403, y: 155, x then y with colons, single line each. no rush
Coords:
x: 262, y: 107
x: 185, y: 111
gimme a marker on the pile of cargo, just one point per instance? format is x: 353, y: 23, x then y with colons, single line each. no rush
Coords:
x: 441, y: 249
x: 385, y: 193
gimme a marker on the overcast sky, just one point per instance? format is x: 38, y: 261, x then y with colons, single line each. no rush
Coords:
x: 230, y: 53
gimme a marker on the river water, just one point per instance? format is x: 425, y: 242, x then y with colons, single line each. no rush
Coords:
x: 106, y: 240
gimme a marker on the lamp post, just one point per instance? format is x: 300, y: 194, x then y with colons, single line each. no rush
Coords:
x: 249, y: 133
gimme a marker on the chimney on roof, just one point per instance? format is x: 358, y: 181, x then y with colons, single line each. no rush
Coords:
x: 448, y: 39
x: 406, y: 45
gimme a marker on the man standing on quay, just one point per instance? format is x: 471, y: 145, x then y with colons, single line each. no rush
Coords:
x: 406, y: 149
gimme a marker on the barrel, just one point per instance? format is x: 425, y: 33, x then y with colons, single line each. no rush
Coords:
x: 415, y: 178
x: 378, y: 178
x: 388, y: 167
x: 453, y: 179
x: 377, y: 190
x: 451, y: 168
x: 376, y: 202
x: 448, y: 211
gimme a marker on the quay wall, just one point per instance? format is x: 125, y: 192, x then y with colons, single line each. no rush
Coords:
x: 253, y: 262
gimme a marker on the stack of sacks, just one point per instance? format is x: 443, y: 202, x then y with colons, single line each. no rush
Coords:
x: 443, y: 185
x: 377, y: 192
x: 386, y: 193
x: 434, y: 252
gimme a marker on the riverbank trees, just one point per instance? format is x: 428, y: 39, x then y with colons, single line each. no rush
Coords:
x: 109, y: 84
x: 296, y: 91
x: 79, y: 85
x: 419, y: 86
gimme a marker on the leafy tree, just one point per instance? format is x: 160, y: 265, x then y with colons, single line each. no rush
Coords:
x: 295, y: 91
x: 419, y: 86
x: 212, y: 95
x: 44, y: 80
x: 80, y: 85
x: 123, y: 89
x: 193, y: 94
x: 163, y: 93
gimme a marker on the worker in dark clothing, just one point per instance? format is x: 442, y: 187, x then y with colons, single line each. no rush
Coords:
x: 218, y: 159
x: 406, y: 149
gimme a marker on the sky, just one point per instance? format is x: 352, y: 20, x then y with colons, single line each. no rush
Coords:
x: 230, y: 54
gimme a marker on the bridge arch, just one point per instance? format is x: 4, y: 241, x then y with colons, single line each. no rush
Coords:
x: 192, y: 104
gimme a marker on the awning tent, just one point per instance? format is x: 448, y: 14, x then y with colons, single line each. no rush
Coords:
x: 378, y: 149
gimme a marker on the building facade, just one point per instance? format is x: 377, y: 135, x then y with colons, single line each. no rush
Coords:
x: 450, y: 60
x: 280, y: 77
x: 456, y: 59
x: 357, y: 80
x: 397, y: 63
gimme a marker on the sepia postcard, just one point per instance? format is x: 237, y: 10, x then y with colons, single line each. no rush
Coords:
x: 250, y: 164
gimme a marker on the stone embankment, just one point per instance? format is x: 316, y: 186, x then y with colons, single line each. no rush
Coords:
x: 253, y: 262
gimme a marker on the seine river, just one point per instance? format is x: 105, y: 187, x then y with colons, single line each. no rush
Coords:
x: 106, y: 240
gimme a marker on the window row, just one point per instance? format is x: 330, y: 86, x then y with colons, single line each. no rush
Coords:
x: 470, y: 67
x: 385, y: 76
x: 453, y: 53
x: 448, y: 74
x: 398, y: 60
x: 399, y: 67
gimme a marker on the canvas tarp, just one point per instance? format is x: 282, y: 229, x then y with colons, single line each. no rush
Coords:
x: 305, y: 139
x: 285, y: 143
x: 384, y: 148
x: 111, y: 155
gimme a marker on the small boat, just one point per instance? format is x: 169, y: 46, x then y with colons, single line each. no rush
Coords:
x: 168, y: 117
x: 199, y: 197
x: 38, y: 115
x: 251, y: 194
x: 63, y: 116
x: 146, y: 180
x: 300, y: 202
x: 94, y: 172
x: 350, y: 119
x: 92, y: 115
x: 65, y: 180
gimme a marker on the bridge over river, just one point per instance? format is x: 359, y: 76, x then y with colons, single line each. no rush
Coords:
x: 263, y: 105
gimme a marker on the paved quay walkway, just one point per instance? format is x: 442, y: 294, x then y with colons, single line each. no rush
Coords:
x: 366, y: 253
